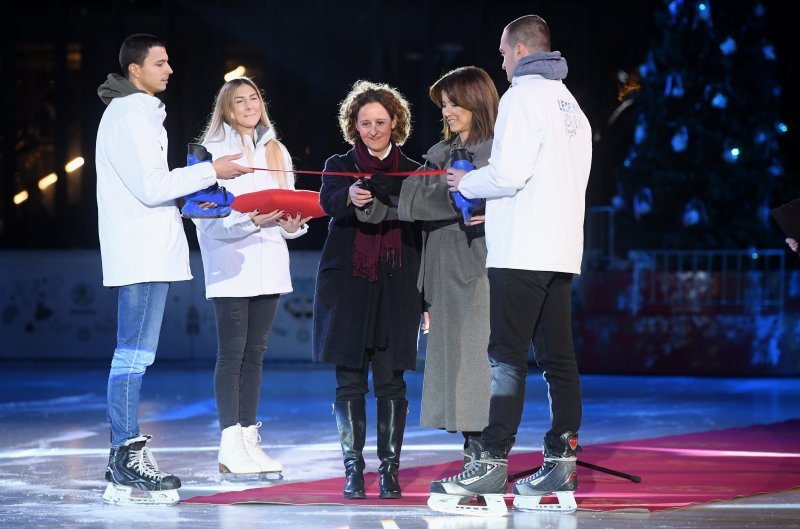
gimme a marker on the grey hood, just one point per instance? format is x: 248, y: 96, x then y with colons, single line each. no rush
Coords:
x: 116, y: 86
x: 550, y: 65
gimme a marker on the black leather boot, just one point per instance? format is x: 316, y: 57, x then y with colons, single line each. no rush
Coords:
x: 391, y: 425
x: 351, y: 420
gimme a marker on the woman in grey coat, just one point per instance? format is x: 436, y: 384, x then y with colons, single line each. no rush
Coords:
x: 456, y: 387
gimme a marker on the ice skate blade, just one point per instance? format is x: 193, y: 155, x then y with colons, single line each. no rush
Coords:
x: 123, y: 495
x: 566, y: 503
x: 495, y: 505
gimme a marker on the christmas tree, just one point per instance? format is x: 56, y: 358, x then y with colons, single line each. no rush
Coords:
x: 705, y: 164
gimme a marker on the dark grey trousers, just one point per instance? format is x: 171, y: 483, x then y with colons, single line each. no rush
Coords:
x: 243, y: 326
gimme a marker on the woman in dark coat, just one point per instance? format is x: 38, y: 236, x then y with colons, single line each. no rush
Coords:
x: 367, y: 305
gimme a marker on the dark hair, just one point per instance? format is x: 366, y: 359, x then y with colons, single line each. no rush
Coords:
x: 531, y: 31
x: 365, y: 92
x: 135, y: 48
x: 470, y: 88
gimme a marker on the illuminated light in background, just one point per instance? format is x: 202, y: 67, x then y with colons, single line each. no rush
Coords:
x: 719, y: 100
x: 728, y: 46
x: 47, y: 181
x: 74, y: 164
x: 20, y: 197
x: 681, y: 139
x: 731, y: 155
x: 235, y: 73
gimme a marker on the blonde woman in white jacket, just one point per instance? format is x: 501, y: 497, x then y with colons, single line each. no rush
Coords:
x: 246, y: 267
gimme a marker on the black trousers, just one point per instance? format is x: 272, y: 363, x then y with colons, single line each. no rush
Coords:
x: 352, y: 384
x: 522, y: 302
x: 243, y: 327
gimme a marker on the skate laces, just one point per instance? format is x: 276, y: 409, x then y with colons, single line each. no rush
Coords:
x: 546, y: 469
x: 258, y: 435
x: 144, y: 463
x: 474, y: 468
x: 251, y: 436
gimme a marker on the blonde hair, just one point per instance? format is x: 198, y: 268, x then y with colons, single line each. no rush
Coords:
x: 365, y: 92
x: 223, y: 113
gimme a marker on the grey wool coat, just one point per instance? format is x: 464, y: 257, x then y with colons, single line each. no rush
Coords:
x: 457, y: 381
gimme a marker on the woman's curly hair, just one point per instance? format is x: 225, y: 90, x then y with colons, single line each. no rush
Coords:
x: 365, y: 92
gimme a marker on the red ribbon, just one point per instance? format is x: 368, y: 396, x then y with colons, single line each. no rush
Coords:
x: 354, y: 175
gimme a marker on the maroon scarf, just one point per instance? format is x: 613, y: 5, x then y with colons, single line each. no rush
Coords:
x: 376, y: 242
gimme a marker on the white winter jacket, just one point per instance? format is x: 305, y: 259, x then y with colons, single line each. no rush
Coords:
x: 141, y: 232
x: 535, y: 182
x: 239, y: 258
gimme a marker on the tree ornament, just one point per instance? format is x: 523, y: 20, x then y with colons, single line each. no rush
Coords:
x: 681, y: 139
x: 728, y: 46
x: 642, y: 203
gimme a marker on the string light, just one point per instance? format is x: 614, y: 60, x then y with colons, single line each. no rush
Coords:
x: 47, y: 181
x: 235, y: 73
x: 74, y: 164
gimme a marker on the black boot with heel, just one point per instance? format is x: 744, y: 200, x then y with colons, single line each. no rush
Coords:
x: 351, y: 420
x: 391, y: 425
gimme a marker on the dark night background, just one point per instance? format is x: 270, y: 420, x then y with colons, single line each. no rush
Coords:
x: 698, y: 299
x: 305, y: 55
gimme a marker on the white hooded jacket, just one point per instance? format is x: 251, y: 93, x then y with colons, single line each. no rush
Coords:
x: 141, y: 231
x: 239, y: 258
x: 535, y: 182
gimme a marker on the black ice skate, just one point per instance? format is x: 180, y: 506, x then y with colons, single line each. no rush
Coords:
x: 131, y: 467
x: 557, y: 475
x: 486, y: 477
x: 472, y: 451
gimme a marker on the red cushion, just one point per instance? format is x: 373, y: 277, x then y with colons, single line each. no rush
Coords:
x: 289, y: 200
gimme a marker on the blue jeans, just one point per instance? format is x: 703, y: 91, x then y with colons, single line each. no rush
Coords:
x: 140, y: 310
x: 522, y: 302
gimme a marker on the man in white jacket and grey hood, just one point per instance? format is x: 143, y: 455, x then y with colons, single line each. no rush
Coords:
x: 143, y: 248
x: 534, y: 186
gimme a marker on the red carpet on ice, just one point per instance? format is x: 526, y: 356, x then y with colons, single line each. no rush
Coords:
x: 676, y: 471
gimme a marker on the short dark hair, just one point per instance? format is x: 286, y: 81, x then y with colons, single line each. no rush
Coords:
x: 531, y: 31
x: 135, y: 48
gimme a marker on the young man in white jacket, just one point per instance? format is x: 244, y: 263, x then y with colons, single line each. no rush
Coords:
x: 143, y: 248
x: 535, y: 186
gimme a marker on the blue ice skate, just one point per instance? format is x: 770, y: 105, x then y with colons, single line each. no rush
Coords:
x: 215, y: 193
x: 468, y: 206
